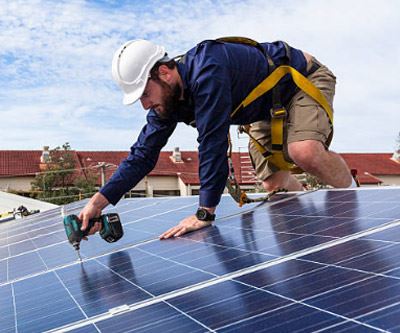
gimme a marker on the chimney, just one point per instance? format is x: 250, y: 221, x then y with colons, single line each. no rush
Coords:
x: 396, y: 156
x: 176, y: 156
x: 44, y: 158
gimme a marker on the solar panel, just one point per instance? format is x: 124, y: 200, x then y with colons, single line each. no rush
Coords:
x: 324, y: 261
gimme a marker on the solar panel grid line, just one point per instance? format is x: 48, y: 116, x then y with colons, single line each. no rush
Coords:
x: 73, y: 298
x: 77, y: 261
x: 254, y: 268
x: 304, y: 304
x: 342, y: 286
x: 15, y: 309
x: 155, y: 215
x: 340, y: 302
x: 178, y: 263
x: 190, y: 317
x: 379, y: 310
x: 330, y: 243
x: 333, y: 328
x: 31, y: 251
x: 110, y: 209
x: 27, y: 232
x: 283, y: 233
x: 341, y: 262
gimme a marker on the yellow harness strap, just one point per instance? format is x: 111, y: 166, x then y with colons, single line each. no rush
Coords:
x: 278, y: 116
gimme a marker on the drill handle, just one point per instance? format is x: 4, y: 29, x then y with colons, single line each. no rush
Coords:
x: 90, y: 225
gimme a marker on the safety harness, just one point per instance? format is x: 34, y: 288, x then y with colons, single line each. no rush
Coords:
x: 278, y: 116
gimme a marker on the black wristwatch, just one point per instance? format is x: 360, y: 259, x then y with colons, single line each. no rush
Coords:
x: 203, y: 214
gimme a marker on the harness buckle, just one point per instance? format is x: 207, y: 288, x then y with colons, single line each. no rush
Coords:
x: 278, y: 112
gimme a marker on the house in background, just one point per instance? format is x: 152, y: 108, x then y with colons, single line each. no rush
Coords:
x: 375, y: 169
x: 176, y: 173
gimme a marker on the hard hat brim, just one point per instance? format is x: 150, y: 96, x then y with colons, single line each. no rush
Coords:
x: 134, y: 96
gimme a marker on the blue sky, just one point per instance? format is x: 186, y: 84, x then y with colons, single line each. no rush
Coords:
x: 55, y: 64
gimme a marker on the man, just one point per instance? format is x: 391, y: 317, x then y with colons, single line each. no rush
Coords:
x: 203, y: 87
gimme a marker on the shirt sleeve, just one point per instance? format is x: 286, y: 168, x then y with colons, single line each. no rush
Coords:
x: 141, y: 159
x: 213, y: 105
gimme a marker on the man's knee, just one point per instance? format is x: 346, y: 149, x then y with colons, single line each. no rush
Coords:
x: 276, y: 180
x: 307, y: 154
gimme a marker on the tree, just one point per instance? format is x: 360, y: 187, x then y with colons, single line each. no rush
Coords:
x: 87, y: 184
x: 61, y: 182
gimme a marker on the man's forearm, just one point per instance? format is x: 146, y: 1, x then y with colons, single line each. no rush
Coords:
x: 99, y: 201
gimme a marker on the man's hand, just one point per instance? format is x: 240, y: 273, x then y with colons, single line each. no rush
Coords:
x: 190, y: 223
x: 93, y: 209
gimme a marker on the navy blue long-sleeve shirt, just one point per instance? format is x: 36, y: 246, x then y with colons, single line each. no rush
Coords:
x: 216, y: 78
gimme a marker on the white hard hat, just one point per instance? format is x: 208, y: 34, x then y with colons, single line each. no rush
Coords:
x: 131, y: 67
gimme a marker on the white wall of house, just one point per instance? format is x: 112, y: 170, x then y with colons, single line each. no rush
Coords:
x: 16, y: 183
x: 158, y: 183
x: 184, y: 189
x: 389, y: 180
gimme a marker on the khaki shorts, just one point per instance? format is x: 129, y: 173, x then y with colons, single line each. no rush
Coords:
x: 306, y: 120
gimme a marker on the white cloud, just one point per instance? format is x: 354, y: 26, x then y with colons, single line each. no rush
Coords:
x: 55, y: 81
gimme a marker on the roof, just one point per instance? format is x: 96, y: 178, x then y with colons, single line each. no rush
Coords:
x: 19, y: 162
x: 9, y: 201
x: 26, y: 163
x: 370, y: 166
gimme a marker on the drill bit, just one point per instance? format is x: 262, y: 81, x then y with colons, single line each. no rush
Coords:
x: 79, y: 255
x: 77, y: 248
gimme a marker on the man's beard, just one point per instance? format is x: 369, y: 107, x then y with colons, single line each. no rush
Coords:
x: 170, y: 99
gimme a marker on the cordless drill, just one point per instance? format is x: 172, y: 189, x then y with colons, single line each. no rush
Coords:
x: 111, y: 229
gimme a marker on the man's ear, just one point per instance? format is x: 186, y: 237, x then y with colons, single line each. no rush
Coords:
x: 165, y: 73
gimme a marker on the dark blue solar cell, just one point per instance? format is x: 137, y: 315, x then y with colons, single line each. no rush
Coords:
x: 226, y: 303
x: 387, y: 319
x: 24, y: 264
x: 4, y: 252
x: 210, y: 295
x: 97, y: 289
x: 378, y: 261
x: 340, y: 227
x: 391, y: 234
x: 360, y: 298
x: 295, y: 318
x: 345, y: 251
x: 41, y: 324
x: 42, y: 303
x: 21, y: 247
x: 49, y: 239
x: 7, y: 309
x: 349, y: 326
x: 155, y: 318
x: 51, y: 255
x: 316, y: 282
x: 296, y: 243
x: 279, y: 272
x: 3, y: 271
x: 154, y: 274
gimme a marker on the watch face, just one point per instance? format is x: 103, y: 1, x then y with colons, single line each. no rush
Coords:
x: 201, y: 214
